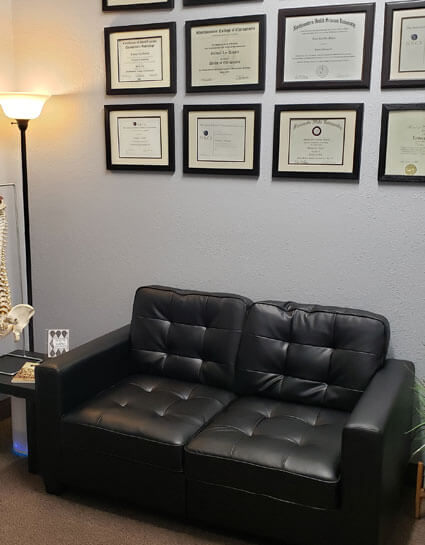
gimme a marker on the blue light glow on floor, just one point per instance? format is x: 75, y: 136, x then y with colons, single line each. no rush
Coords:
x: 20, y: 449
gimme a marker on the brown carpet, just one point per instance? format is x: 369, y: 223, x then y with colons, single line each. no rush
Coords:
x: 30, y: 516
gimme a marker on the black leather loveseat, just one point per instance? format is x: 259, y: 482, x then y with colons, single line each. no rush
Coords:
x: 278, y: 419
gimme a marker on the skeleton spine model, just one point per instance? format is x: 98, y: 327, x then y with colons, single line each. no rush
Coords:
x: 12, y: 319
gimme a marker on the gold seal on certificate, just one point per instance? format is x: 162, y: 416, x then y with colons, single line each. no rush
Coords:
x: 112, y: 5
x: 222, y: 139
x: 325, y: 47
x: 402, y: 155
x: 140, y: 59
x: 317, y: 141
x: 225, y: 54
x: 403, y: 63
x: 410, y: 170
x: 140, y: 137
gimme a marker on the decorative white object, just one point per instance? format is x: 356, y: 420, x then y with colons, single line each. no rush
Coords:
x: 12, y: 319
x: 57, y: 342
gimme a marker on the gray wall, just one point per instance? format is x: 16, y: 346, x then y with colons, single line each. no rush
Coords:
x: 98, y: 235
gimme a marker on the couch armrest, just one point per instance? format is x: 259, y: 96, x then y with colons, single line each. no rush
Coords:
x: 68, y: 380
x: 375, y: 446
x: 84, y: 371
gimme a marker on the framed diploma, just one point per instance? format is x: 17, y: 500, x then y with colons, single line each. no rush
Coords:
x: 403, y: 62
x: 402, y: 152
x: 112, y: 5
x: 140, y: 137
x: 222, y: 139
x: 141, y: 59
x: 226, y: 54
x: 325, y: 47
x: 318, y: 141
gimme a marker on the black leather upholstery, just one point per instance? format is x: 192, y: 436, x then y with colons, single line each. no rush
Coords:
x: 376, y: 449
x: 285, y: 450
x: 313, y: 452
x: 144, y: 418
x: 322, y: 356
x: 64, y: 382
x: 187, y: 335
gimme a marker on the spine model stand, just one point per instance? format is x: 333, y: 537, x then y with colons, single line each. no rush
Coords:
x: 12, y: 319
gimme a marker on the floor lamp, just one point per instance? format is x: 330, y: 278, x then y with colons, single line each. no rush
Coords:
x: 22, y: 107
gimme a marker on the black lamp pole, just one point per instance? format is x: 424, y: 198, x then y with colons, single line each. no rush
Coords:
x: 23, y: 125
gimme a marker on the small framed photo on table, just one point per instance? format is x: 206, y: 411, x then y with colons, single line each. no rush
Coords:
x: 114, y: 5
x: 140, y: 137
x: 327, y: 47
x: 226, y: 54
x: 318, y: 141
x: 141, y: 59
x: 222, y: 139
x: 402, y: 152
x: 403, y: 62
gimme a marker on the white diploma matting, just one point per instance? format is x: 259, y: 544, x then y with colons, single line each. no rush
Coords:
x: 317, y: 141
x: 140, y: 59
x: 225, y: 54
x: 324, y: 47
x: 408, y: 44
x: 221, y: 139
x: 139, y: 138
x: 405, y: 143
x: 132, y: 2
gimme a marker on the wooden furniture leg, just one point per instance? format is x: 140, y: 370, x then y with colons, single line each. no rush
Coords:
x: 420, y: 491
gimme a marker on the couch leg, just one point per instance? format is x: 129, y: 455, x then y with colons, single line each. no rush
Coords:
x: 53, y: 487
x: 420, y: 491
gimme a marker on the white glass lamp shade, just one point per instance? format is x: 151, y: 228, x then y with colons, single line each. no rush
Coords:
x: 22, y: 105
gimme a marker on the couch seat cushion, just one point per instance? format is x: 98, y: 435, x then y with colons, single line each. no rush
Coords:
x: 284, y: 450
x: 144, y: 418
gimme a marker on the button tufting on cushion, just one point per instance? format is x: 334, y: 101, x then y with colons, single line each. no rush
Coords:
x: 186, y: 335
x: 286, y: 450
x: 316, y: 355
x: 144, y: 418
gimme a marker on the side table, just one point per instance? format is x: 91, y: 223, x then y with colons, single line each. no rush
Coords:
x: 26, y: 391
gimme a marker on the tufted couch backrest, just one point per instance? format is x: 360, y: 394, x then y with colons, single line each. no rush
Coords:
x: 322, y: 356
x: 187, y: 335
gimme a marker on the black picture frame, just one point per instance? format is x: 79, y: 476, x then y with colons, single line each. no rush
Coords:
x: 256, y: 137
x: 172, y: 53
x: 363, y: 82
x: 259, y: 86
x: 169, y: 108
x: 357, y: 145
x: 386, y: 81
x: 210, y: 2
x: 169, y: 4
x: 397, y: 178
